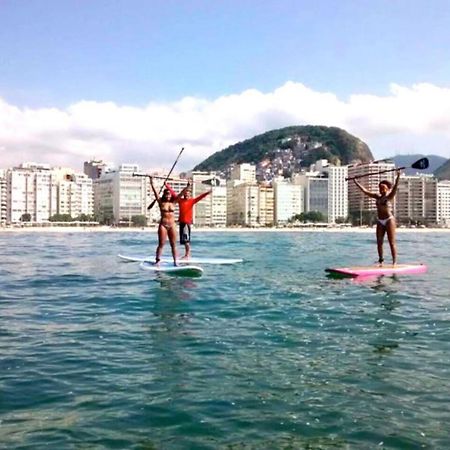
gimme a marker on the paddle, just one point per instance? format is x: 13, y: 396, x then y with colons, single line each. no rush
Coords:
x: 370, y: 162
x: 420, y: 164
x: 162, y: 187
x: 209, y: 182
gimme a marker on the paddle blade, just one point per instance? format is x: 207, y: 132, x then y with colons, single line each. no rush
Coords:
x: 421, y: 164
x: 211, y: 182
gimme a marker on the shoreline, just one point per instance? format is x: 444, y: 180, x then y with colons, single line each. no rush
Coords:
x: 107, y: 229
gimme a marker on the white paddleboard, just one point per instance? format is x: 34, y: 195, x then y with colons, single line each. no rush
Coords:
x: 185, y: 270
x: 193, y: 260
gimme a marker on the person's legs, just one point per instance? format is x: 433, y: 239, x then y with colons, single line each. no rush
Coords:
x: 162, y: 236
x: 185, y: 238
x: 173, y: 243
x: 187, y: 250
x: 381, y: 230
x: 390, y: 229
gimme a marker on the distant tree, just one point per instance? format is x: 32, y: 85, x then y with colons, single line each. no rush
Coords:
x: 25, y: 217
x: 139, y: 220
x: 61, y: 218
x: 310, y: 216
x: 342, y: 219
x: 84, y: 218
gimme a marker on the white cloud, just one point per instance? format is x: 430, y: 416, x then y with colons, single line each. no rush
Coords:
x: 408, y: 120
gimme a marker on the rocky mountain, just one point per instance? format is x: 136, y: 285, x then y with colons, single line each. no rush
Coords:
x: 443, y: 172
x: 287, y: 150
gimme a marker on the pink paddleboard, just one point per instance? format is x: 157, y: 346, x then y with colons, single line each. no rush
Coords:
x: 374, y: 271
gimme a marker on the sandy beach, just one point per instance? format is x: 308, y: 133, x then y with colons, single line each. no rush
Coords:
x: 107, y: 229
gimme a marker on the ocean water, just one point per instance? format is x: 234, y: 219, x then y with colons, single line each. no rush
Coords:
x: 96, y: 353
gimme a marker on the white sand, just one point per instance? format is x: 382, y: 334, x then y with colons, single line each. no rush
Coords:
x: 80, y: 229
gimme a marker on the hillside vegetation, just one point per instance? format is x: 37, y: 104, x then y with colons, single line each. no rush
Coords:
x: 291, y: 148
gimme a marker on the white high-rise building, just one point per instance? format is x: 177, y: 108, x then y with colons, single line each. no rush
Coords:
x: 244, y: 172
x: 337, y: 192
x: 211, y: 211
x: 36, y: 192
x: 443, y: 203
x: 75, y: 192
x: 242, y: 196
x: 416, y: 199
x: 288, y: 200
x: 32, y: 193
x: 3, y: 197
x: 118, y: 195
x: 325, y: 190
x: 265, y: 206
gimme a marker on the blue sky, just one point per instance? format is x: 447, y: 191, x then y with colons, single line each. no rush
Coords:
x: 112, y: 58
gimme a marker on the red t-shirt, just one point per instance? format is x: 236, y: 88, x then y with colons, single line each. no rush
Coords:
x: 186, y: 205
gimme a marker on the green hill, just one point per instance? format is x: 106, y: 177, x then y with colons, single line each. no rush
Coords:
x: 291, y: 148
x: 443, y: 172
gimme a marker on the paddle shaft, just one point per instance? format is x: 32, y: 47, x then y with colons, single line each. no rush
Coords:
x: 374, y: 173
x: 209, y: 181
x: 168, y: 175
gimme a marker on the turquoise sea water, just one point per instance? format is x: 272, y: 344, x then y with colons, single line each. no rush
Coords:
x: 96, y: 353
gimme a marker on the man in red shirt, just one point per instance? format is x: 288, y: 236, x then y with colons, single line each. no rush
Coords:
x: 186, y: 204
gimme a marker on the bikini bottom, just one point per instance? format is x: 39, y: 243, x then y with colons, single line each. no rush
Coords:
x: 383, y: 222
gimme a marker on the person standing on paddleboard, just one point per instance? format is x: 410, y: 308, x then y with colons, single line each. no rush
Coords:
x: 385, y: 220
x: 186, y: 204
x: 166, y: 228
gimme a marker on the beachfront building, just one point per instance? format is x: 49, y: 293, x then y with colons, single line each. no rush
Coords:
x: 95, y: 168
x: 3, y: 197
x: 443, y: 203
x: 211, y: 211
x: 265, y: 206
x: 75, y: 194
x: 244, y: 172
x: 337, y: 207
x: 118, y: 196
x: 36, y: 192
x: 416, y: 200
x: 325, y: 190
x: 362, y: 209
x: 288, y: 200
x: 31, y: 193
x: 242, y: 196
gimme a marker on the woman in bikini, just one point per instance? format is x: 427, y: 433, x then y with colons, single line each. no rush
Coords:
x: 167, y: 228
x: 385, y: 219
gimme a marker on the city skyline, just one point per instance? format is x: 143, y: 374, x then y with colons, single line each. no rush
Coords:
x: 137, y: 81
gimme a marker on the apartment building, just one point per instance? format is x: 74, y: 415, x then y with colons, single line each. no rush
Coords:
x: 118, y: 195
x: 416, y: 200
x: 3, y: 197
x: 211, y: 211
x: 288, y: 200
x: 32, y: 194
x: 443, y: 203
x: 266, y: 206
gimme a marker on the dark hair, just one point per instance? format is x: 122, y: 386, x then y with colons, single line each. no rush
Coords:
x: 386, y: 183
x: 166, y: 191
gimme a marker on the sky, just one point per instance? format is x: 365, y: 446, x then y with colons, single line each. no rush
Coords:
x: 135, y: 81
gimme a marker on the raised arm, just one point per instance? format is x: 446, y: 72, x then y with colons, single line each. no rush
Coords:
x: 201, y: 196
x: 155, y: 192
x: 395, y: 187
x: 363, y: 189
x: 172, y: 192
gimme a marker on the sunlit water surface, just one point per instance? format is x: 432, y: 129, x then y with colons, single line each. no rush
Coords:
x: 97, y: 353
